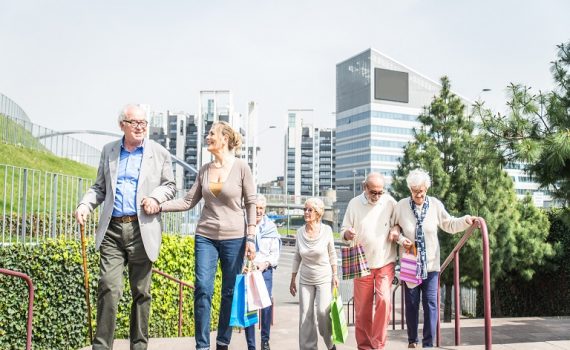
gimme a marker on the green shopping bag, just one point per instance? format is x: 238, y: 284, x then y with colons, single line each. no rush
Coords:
x: 339, y: 325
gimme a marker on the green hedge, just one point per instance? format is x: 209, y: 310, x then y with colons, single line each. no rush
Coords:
x: 55, y: 267
x: 547, y: 293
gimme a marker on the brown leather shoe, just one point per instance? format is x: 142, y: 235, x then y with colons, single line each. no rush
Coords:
x: 413, y: 346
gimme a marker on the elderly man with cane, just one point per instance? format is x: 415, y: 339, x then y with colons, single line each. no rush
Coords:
x: 133, y: 173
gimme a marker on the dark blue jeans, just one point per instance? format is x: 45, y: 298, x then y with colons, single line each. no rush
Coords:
x: 428, y: 291
x: 266, y: 315
x: 207, y: 252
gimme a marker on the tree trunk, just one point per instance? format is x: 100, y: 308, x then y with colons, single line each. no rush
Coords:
x: 447, y: 304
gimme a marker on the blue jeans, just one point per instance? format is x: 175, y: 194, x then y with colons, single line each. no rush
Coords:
x: 207, y: 252
x: 266, y: 315
x: 428, y: 291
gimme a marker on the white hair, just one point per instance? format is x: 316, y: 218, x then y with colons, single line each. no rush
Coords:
x: 123, y: 113
x: 418, y: 177
x: 317, y: 204
x: 374, y: 175
x: 260, y: 200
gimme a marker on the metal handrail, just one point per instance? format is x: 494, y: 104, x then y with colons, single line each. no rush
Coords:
x: 454, y: 255
x: 398, y: 285
x: 181, y: 285
x: 30, y: 302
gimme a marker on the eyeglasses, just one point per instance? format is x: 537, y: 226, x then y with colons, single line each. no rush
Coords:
x: 137, y: 123
x: 375, y: 193
x: 418, y: 191
x: 309, y: 210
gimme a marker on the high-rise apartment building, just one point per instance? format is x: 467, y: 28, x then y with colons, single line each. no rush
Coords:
x: 214, y: 106
x: 184, y: 134
x: 309, y: 156
x: 180, y: 138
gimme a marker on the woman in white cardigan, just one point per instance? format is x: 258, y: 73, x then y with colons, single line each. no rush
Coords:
x: 315, y: 250
x: 419, y: 217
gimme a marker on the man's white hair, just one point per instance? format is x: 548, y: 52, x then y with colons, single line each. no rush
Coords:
x: 418, y: 177
x: 260, y: 200
x: 123, y: 113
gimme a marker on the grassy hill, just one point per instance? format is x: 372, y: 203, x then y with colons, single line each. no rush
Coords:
x: 28, y: 158
x: 39, y: 190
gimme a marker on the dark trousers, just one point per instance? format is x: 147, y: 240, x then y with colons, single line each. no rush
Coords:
x: 266, y: 315
x: 123, y: 246
x: 428, y: 291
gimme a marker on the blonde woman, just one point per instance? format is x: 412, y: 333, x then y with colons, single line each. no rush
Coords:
x: 315, y: 253
x: 221, y: 235
x: 419, y: 217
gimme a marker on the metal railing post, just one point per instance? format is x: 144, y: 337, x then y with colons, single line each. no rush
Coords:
x: 54, y: 205
x: 180, y: 295
x: 29, y: 324
x: 457, y: 300
x: 486, y: 285
x: 454, y: 255
x: 24, y: 200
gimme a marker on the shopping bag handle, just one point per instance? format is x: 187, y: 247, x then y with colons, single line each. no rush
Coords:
x: 408, y: 250
x: 335, y: 292
x: 247, y: 266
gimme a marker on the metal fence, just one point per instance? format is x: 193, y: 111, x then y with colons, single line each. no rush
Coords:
x: 36, y: 205
x: 468, y: 300
x: 24, y: 133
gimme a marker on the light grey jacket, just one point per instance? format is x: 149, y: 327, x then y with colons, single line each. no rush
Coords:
x: 156, y: 180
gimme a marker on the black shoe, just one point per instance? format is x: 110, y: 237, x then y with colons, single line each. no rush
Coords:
x: 333, y: 348
x: 265, y: 345
x: 221, y: 347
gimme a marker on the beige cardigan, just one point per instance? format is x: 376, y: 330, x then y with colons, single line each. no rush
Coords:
x: 222, y: 216
x: 436, y: 216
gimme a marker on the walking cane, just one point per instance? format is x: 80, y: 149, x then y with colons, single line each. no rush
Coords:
x: 86, y: 280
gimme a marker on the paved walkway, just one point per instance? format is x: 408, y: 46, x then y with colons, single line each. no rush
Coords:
x: 508, y: 333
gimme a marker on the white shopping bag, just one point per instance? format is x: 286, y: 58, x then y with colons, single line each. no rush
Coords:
x: 257, y: 294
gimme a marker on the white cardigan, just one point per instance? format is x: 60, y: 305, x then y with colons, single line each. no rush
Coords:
x: 436, y: 216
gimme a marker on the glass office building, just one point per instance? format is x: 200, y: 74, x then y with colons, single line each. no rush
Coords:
x: 377, y: 103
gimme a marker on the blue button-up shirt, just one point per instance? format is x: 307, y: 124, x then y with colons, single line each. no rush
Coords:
x: 127, y: 181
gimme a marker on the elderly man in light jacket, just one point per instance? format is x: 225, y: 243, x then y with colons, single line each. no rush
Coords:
x: 133, y: 172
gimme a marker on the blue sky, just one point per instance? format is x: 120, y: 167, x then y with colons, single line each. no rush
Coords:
x: 74, y: 64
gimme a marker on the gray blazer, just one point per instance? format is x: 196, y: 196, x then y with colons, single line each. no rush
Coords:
x: 156, y: 180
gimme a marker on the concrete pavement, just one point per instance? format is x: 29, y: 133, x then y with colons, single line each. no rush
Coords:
x: 508, y: 333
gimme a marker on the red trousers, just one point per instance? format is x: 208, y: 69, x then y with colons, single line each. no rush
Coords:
x: 372, y: 302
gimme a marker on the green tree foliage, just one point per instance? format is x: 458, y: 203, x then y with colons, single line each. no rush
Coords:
x: 536, y: 128
x: 467, y: 176
x: 521, y: 298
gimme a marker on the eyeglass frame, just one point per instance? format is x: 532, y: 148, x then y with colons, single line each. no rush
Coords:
x: 136, y: 123
x: 310, y: 210
x: 375, y: 193
x: 416, y: 192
